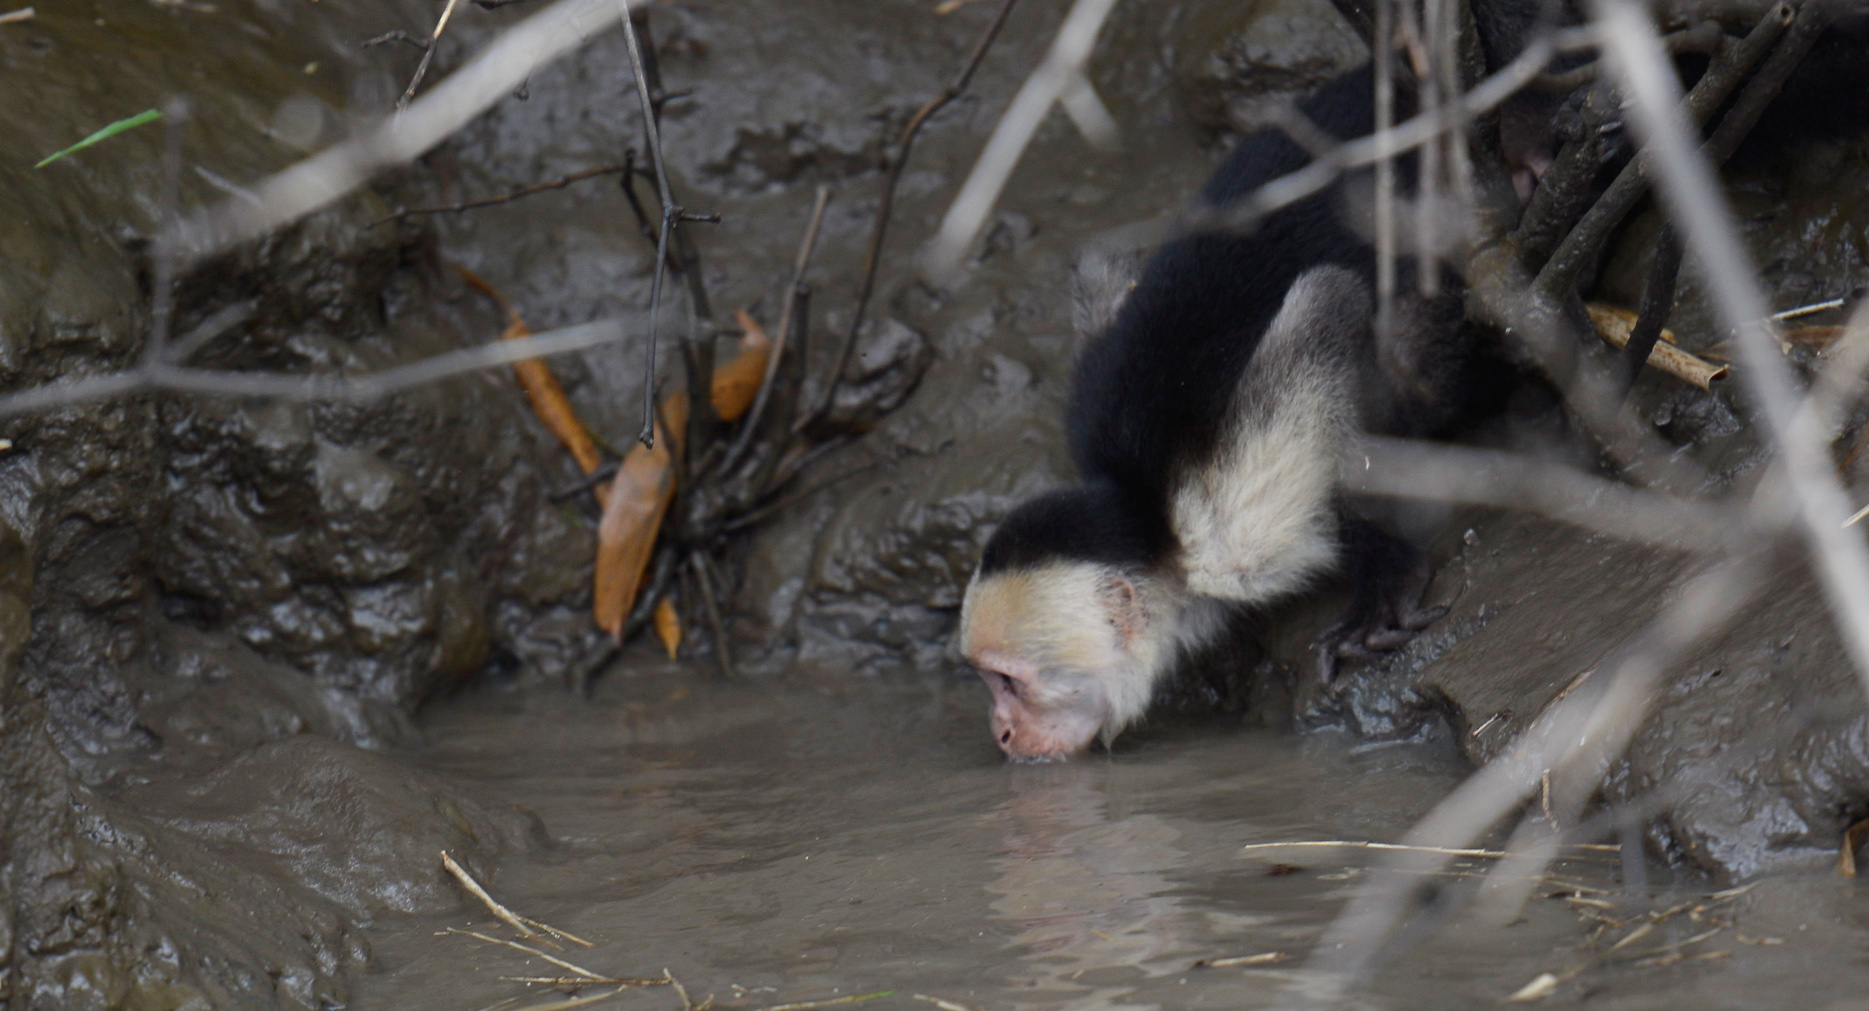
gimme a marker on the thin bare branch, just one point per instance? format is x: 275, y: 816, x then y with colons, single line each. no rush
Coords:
x: 576, y: 1002
x: 1577, y: 731
x: 723, y: 650
x: 594, y: 977
x: 222, y: 383
x: 670, y: 215
x: 428, y: 53
x: 1246, y: 213
x: 1062, y: 68
x: 1445, y: 473
x: 898, y: 160
x: 324, y: 178
x: 1729, y: 69
x: 467, y: 881
x: 394, y: 35
x: 1384, y: 56
x: 1698, y: 207
x: 808, y: 243
x: 222, y: 320
x: 507, y: 198
x: 1657, y: 303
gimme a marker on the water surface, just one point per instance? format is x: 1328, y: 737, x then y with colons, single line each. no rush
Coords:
x: 769, y: 845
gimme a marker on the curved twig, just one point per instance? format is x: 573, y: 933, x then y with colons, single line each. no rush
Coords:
x: 750, y: 424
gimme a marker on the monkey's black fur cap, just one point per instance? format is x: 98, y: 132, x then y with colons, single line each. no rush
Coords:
x: 1088, y: 523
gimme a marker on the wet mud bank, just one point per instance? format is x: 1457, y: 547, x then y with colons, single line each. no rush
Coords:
x: 219, y: 616
x: 219, y: 611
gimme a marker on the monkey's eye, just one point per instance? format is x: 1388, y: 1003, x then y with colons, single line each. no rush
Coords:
x: 1010, y: 686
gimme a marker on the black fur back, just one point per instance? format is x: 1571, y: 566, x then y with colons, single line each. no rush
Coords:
x: 1154, y: 389
x: 1088, y: 522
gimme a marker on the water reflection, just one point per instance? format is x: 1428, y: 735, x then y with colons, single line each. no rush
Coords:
x: 1087, y: 893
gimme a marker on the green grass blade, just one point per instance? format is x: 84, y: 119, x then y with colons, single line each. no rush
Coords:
x: 146, y: 116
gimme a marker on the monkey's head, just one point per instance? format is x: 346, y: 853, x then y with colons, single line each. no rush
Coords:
x: 1066, y: 620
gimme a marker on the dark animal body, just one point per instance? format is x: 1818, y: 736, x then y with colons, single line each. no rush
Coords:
x: 1207, y: 420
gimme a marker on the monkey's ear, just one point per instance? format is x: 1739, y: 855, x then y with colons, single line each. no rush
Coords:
x: 1099, y: 284
x: 1122, y: 605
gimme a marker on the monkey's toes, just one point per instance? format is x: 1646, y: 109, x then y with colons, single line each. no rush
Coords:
x: 1387, y: 640
x: 1367, y: 641
x: 1414, y: 619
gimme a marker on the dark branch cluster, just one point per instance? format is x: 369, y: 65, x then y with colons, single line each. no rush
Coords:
x: 728, y: 477
x: 730, y: 481
x: 1527, y: 277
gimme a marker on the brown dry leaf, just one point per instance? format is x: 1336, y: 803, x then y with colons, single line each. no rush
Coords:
x: 1852, y: 841
x: 668, y: 626
x: 645, y: 485
x: 541, y: 385
x: 736, y: 383
x: 639, y: 498
x: 1817, y: 338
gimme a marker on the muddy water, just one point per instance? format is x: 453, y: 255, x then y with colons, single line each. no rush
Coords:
x: 769, y: 845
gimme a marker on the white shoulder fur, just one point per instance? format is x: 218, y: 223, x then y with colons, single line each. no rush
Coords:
x: 1256, y: 521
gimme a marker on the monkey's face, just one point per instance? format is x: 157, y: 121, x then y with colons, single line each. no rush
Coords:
x: 1053, y: 646
x: 1040, y: 715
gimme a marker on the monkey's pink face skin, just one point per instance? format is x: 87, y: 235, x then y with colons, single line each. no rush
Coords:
x: 1033, y: 720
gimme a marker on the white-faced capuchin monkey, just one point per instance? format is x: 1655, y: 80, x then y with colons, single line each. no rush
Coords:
x: 1208, y: 415
x: 1210, y: 410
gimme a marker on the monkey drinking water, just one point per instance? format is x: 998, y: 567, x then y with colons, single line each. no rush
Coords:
x: 1207, y: 419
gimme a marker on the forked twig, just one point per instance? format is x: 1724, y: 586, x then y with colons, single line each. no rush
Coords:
x: 697, y: 360
x: 670, y: 213
x: 428, y: 53
x: 686, y: 1003
x: 467, y: 881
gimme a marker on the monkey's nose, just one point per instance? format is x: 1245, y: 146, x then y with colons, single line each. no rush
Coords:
x: 1005, y: 738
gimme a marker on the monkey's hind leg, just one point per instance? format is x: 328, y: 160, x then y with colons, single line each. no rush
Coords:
x: 1388, y: 575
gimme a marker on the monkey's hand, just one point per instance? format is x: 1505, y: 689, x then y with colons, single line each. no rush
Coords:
x: 1385, y: 614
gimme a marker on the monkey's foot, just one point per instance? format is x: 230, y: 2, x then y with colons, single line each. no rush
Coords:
x: 1389, y: 626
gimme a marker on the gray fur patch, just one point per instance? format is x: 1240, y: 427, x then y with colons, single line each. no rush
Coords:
x: 1099, y: 284
x: 1256, y: 522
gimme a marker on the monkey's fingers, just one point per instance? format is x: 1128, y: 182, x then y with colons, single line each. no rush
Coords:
x: 1388, y: 640
x: 1417, y: 618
